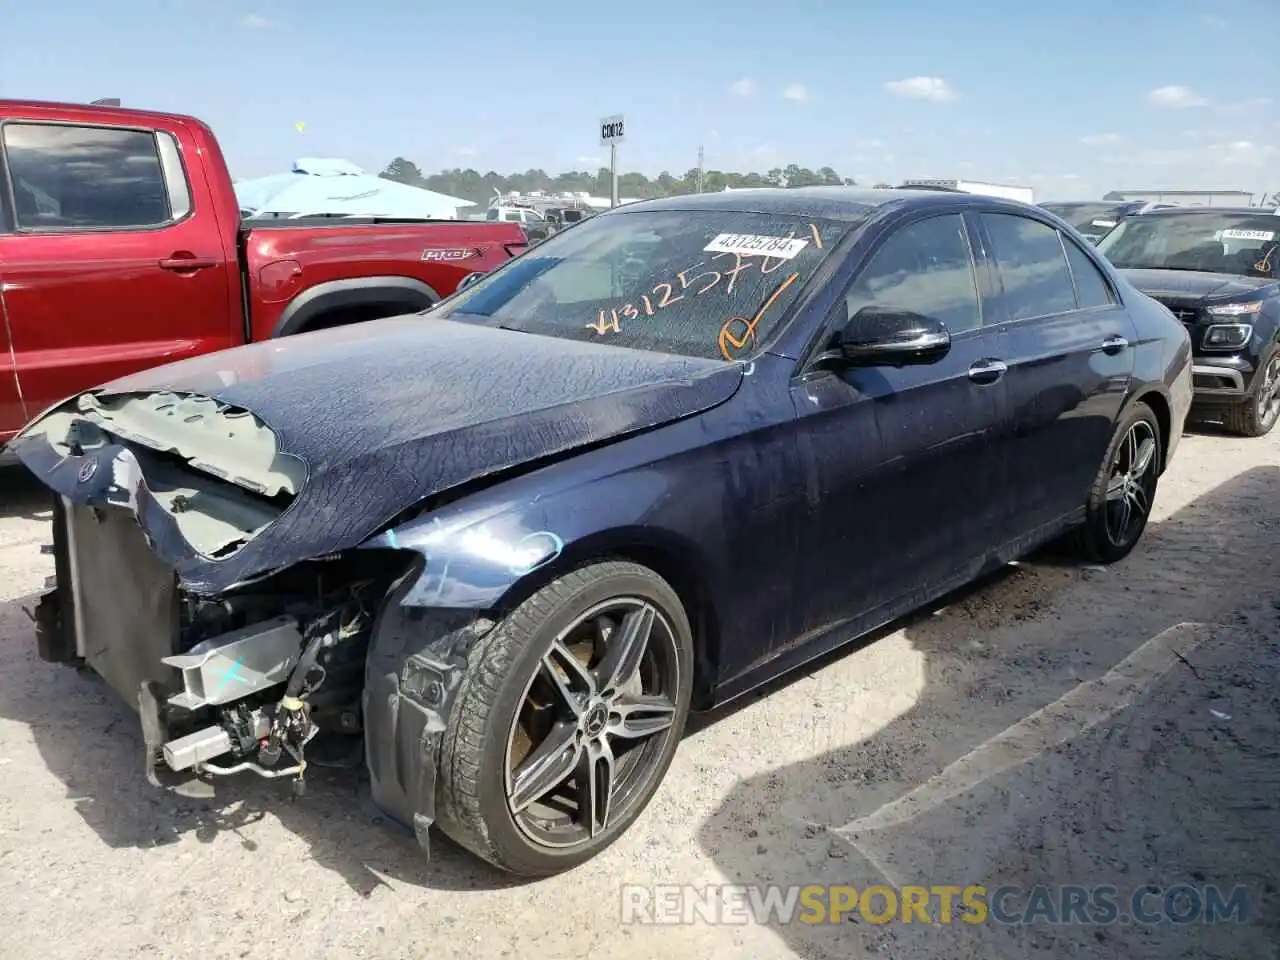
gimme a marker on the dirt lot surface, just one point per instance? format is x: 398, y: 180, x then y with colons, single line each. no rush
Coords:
x: 1055, y: 725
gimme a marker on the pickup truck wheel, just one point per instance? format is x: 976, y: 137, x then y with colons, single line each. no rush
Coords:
x: 566, y: 720
x: 1257, y: 415
x: 1121, y: 497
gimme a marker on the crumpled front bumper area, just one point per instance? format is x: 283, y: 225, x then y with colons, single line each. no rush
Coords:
x: 118, y: 609
x: 416, y: 663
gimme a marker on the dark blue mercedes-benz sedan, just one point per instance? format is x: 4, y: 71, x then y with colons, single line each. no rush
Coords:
x: 507, y: 545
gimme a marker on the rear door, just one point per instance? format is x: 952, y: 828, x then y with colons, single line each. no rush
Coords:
x: 1070, y: 353
x: 114, y: 259
x: 906, y: 465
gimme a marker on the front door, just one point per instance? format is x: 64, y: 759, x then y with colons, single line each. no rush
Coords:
x: 906, y: 466
x: 12, y: 413
x: 1070, y: 353
x: 115, y: 262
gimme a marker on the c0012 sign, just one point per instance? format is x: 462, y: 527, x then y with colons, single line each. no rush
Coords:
x: 611, y: 130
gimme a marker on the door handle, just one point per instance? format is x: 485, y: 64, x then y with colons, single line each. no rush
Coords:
x: 188, y: 263
x: 987, y: 371
x: 1113, y: 345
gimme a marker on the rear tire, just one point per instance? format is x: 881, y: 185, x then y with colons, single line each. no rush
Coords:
x: 1120, y: 499
x: 1256, y: 416
x: 550, y: 678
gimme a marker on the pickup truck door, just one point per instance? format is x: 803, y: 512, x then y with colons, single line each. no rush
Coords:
x: 12, y: 412
x: 112, y: 255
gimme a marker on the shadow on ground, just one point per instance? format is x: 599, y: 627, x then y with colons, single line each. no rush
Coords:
x: 1029, y: 636
x: 21, y: 495
x: 1162, y: 793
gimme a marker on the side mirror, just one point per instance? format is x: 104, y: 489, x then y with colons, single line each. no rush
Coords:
x: 471, y: 278
x: 883, y: 336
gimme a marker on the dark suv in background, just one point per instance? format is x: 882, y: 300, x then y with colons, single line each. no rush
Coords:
x: 1094, y: 219
x: 1218, y: 271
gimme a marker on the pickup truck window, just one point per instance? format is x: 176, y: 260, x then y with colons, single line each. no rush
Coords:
x: 67, y: 178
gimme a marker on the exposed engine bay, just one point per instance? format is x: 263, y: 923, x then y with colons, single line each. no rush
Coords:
x: 244, y: 681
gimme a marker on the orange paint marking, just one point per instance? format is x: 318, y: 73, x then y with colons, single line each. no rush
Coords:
x: 728, y: 338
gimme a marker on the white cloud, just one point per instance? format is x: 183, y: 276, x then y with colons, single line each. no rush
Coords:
x: 1246, y: 153
x: 746, y: 87
x: 1245, y: 106
x: 1069, y: 176
x: 796, y: 92
x: 1176, y: 97
x: 765, y: 150
x: 1101, y: 139
x: 922, y: 88
x: 589, y: 160
x: 465, y: 151
x: 256, y: 21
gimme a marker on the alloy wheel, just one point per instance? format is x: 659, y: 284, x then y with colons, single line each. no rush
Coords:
x: 592, y: 725
x: 1269, y: 393
x: 1132, y: 484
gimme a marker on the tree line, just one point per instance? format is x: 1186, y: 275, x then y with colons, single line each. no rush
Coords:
x: 480, y: 187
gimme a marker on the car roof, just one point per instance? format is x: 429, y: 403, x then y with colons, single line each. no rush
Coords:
x: 828, y: 203
x: 1087, y: 203
x: 1235, y: 211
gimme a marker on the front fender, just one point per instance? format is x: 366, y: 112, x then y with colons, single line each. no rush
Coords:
x: 473, y: 557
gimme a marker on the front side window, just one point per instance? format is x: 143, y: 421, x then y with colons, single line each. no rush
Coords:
x: 1032, y: 266
x: 701, y: 283
x: 923, y: 268
x: 1243, y: 244
x: 66, y: 177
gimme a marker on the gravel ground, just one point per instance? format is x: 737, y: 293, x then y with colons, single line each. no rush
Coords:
x: 1053, y: 725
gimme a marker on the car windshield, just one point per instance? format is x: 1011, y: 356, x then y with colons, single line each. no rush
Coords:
x: 1088, y: 218
x: 1235, y: 243
x: 702, y: 283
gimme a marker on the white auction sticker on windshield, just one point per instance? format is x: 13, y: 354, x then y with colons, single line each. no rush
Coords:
x: 1263, y: 235
x: 746, y: 244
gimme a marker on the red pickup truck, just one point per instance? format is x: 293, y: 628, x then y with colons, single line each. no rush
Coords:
x: 122, y: 247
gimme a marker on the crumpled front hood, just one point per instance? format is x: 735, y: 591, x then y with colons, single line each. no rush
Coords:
x: 1187, y: 284
x: 314, y: 442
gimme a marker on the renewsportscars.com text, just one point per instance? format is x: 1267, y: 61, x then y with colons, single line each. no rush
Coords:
x: 939, y: 903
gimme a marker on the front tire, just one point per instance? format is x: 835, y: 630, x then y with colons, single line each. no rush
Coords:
x: 1256, y: 416
x: 1121, y: 497
x: 567, y: 719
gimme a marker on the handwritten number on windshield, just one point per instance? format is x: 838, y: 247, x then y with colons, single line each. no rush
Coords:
x: 664, y: 294
x: 739, y: 333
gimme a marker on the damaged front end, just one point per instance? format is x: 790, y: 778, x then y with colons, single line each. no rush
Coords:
x: 240, y: 682
x: 313, y: 663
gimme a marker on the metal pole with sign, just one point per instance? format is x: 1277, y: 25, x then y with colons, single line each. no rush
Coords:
x: 612, y: 133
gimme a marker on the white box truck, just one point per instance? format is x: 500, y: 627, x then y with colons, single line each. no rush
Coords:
x: 1006, y: 190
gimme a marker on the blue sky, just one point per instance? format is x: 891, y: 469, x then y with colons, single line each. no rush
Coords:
x: 1073, y: 98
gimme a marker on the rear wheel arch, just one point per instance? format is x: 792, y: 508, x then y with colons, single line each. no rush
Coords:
x: 673, y: 560
x: 338, y: 302
x: 1163, y: 411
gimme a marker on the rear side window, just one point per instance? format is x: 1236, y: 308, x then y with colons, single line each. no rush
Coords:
x: 68, y: 177
x: 1032, y: 265
x: 1092, y: 289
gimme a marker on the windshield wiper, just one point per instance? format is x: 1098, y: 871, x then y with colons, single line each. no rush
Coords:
x: 1152, y: 266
